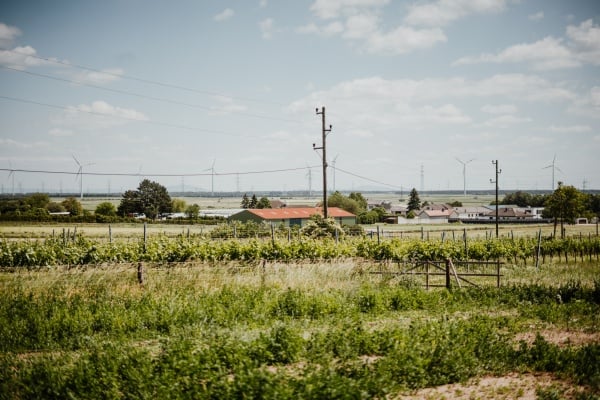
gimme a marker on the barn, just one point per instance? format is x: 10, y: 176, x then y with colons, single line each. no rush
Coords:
x: 292, y: 216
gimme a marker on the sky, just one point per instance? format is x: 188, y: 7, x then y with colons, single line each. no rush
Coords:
x: 222, y: 95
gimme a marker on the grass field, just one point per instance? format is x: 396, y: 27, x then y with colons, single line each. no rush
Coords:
x: 296, y: 331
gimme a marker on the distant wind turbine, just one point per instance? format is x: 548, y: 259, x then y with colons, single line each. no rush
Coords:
x: 12, y: 174
x: 80, y: 174
x: 212, y: 177
x: 464, y: 164
x: 309, y: 176
x: 554, y: 168
x: 333, y: 167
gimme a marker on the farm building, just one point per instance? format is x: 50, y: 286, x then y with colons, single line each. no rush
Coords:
x: 292, y: 216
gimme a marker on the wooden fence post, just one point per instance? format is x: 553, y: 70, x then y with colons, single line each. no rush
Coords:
x: 109, y: 234
x: 447, y: 273
x: 498, y: 273
x: 140, y: 273
x: 145, y: 237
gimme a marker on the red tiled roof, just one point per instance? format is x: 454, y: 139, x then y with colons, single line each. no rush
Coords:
x: 287, y: 213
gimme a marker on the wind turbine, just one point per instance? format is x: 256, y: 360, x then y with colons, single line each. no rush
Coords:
x: 12, y: 174
x: 80, y: 173
x: 309, y: 176
x: 333, y: 167
x: 554, y: 167
x: 212, y: 177
x: 464, y: 164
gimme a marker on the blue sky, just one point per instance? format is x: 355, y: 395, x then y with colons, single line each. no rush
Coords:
x: 219, y: 94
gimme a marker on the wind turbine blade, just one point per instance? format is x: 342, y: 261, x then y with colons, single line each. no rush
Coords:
x: 76, y: 160
x: 459, y: 160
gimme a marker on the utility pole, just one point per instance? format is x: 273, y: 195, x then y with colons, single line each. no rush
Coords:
x: 324, y: 157
x: 495, y: 162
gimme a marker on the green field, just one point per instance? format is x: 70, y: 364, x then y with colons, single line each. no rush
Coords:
x: 301, y: 319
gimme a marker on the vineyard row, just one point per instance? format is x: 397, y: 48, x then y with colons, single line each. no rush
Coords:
x: 162, y: 249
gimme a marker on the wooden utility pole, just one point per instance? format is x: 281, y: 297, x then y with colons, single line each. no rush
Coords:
x: 324, y: 157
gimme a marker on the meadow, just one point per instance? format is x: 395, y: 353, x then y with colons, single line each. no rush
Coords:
x: 262, y: 318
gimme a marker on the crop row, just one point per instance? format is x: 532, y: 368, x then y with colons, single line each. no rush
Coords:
x: 83, y: 251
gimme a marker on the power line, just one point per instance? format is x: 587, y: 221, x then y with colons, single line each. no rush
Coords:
x: 138, y: 95
x: 150, y: 122
x: 367, y: 179
x: 143, y: 80
x: 136, y: 174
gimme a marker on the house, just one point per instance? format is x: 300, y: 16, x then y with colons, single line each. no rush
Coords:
x: 292, y: 216
x: 470, y: 213
x: 508, y: 214
x: 436, y: 216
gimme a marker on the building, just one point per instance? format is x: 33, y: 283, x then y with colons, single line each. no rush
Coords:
x: 292, y: 216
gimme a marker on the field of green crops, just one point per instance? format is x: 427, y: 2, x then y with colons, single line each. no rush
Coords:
x: 291, y: 319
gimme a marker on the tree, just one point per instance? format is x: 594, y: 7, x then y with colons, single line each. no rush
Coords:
x: 193, y: 211
x: 253, y: 202
x: 151, y: 198
x: 263, y: 203
x: 564, y: 205
x: 73, y: 206
x: 318, y: 227
x: 414, y: 203
x: 178, y: 205
x: 345, y: 203
x: 106, y: 208
x: 360, y: 200
x: 130, y: 203
x: 245, y: 201
x: 38, y: 200
x: 55, y: 207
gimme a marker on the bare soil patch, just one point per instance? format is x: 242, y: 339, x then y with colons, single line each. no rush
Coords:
x: 513, y: 386
x: 560, y: 337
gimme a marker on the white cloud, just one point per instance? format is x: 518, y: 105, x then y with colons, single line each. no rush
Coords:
x: 60, y: 132
x: 97, y: 115
x: 8, y: 34
x: 20, y: 144
x: 99, y: 77
x: 499, y: 109
x: 263, y: 3
x: 570, y: 129
x: 582, y: 46
x: 226, y: 105
x: 585, y: 41
x: 548, y: 53
x: 359, y: 26
x: 266, y: 28
x: 224, y: 15
x: 403, y: 40
x: 538, y: 16
x: 329, y: 9
x: 443, y: 12
x: 21, y: 58
x: 588, y: 105
x: 505, y: 121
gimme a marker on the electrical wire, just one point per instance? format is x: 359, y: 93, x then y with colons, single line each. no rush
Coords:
x: 151, y: 122
x: 142, y: 96
x: 143, y: 80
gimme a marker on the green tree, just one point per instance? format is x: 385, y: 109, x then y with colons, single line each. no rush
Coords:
x: 106, y: 208
x: 360, y: 200
x: 130, y: 203
x: 73, y: 206
x: 253, y: 202
x: 193, y: 211
x: 38, y: 200
x: 55, y: 207
x: 263, y: 203
x: 345, y: 203
x: 318, y: 227
x: 245, y: 201
x: 564, y: 205
x: 150, y: 198
x: 414, y: 203
x: 178, y: 205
